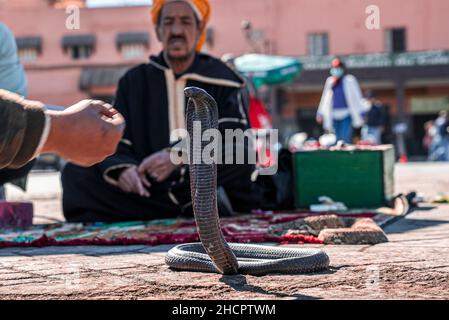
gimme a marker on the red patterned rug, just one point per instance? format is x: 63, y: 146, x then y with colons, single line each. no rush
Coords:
x: 253, y: 228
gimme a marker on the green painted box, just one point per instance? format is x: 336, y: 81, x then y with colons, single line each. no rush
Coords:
x: 358, y: 177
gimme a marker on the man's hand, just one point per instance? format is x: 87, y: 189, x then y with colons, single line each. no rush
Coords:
x: 158, y: 165
x: 85, y: 133
x: 130, y: 181
x: 319, y: 119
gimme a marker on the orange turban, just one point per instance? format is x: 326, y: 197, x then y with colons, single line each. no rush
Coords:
x: 200, y: 7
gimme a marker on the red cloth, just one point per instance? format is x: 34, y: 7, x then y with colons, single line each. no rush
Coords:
x: 241, y: 229
x: 259, y: 117
x: 45, y: 241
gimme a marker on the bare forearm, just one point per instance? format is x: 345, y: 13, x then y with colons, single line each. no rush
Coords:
x: 55, y: 133
x: 84, y: 133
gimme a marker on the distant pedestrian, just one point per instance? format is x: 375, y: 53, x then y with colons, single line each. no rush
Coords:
x: 341, y: 109
x: 439, y: 147
x: 259, y: 117
x: 444, y: 133
x: 427, y: 141
x: 12, y: 75
x: 375, y: 119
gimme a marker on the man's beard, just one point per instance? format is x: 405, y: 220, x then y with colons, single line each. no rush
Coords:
x: 180, y: 59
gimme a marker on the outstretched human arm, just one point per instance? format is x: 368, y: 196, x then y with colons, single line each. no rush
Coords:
x: 84, y: 133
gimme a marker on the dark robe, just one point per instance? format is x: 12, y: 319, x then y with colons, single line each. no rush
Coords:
x: 149, y: 97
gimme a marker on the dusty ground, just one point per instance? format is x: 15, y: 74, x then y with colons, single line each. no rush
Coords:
x: 414, y: 264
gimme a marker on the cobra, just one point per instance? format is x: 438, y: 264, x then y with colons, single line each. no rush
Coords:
x: 214, y: 254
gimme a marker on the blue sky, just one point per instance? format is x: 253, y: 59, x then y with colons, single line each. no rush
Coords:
x: 114, y: 3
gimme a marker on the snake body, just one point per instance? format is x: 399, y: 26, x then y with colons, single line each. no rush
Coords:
x: 214, y: 254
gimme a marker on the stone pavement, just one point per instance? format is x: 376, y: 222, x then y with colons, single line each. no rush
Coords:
x: 414, y: 264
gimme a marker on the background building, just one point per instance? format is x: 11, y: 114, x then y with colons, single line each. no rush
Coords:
x: 64, y: 65
x: 406, y: 60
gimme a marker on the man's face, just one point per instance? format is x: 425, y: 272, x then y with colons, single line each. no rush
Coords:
x: 178, y: 30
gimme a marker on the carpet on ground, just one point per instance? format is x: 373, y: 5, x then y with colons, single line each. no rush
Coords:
x: 251, y: 228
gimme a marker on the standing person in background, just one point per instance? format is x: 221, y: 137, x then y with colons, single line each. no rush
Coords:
x: 444, y: 133
x: 375, y: 119
x: 427, y: 141
x: 439, y: 147
x: 12, y: 78
x: 340, y: 108
x: 259, y: 117
x: 12, y: 75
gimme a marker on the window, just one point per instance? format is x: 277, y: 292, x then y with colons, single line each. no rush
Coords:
x: 133, y: 45
x: 79, y: 46
x: 29, y: 48
x: 318, y: 44
x: 133, y: 51
x: 28, y: 55
x: 78, y: 52
x: 395, y: 40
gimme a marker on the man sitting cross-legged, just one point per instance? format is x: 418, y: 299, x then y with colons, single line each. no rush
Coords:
x: 140, y: 182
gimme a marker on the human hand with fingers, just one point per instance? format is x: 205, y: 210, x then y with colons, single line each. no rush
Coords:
x: 159, y: 166
x: 85, y: 133
x: 130, y: 181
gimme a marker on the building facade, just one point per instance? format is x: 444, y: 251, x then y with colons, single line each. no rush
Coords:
x: 398, y: 48
x: 65, y: 63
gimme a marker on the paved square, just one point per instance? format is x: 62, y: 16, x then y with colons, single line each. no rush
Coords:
x: 414, y: 264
